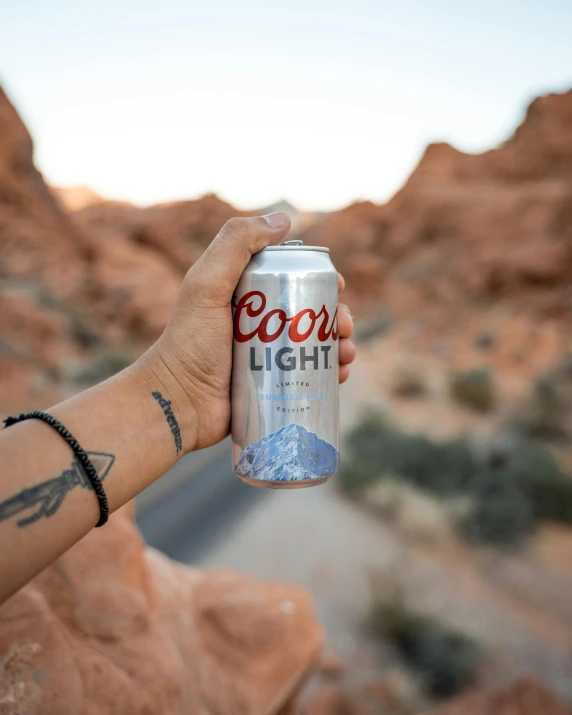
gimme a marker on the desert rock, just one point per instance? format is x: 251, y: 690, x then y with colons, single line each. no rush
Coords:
x: 116, y: 627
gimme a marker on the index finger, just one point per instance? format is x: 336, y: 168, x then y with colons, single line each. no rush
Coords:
x: 341, y: 283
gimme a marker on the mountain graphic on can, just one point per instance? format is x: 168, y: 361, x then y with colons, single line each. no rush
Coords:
x: 284, y: 392
x: 290, y: 454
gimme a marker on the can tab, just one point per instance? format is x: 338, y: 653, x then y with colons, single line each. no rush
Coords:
x: 295, y: 242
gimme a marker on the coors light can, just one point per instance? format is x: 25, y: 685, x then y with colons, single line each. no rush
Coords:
x: 285, y: 410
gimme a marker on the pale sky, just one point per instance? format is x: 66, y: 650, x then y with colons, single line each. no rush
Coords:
x: 317, y: 102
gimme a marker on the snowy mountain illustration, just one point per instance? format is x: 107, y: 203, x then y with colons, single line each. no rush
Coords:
x: 290, y: 454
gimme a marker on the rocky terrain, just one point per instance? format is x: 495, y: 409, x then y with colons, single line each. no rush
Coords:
x: 470, y: 229
x: 71, y: 287
x: 471, y: 243
x: 115, y: 627
x: 470, y: 260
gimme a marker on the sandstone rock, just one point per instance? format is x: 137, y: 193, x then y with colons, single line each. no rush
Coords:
x: 176, y: 232
x: 106, y: 274
x: 525, y: 697
x: 492, y: 227
x: 465, y: 231
x: 38, y: 242
x: 74, y: 198
x: 115, y: 627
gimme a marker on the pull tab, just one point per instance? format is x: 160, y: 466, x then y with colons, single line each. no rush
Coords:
x: 295, y: 242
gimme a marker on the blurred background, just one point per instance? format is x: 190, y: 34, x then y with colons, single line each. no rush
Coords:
x: 430, y: 147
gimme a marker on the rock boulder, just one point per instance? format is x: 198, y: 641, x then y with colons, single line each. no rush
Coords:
x: 116, y: 627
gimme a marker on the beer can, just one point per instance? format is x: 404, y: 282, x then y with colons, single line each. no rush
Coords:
x: 284, y: 393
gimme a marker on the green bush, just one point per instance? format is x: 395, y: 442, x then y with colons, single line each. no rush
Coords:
x: 446, y: 659
x: 485, y: 340
x: 501, y: 514
x: 375, y: 449
x: 511, y: 483
x: 536, y: 470
x: 409, y: 381
x: 363, y: 457
x: 548, y: 406
x: 474, y: 388
x: 517, y: 484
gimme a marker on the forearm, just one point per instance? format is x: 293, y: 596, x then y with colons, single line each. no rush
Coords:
x: 133, y: 437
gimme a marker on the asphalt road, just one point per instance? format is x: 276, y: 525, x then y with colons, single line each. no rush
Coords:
x: 194, y: 506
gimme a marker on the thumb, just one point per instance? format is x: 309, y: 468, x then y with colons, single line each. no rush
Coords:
x: 219, y: 268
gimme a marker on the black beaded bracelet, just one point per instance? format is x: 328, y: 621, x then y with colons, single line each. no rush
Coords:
x: 80, y: 454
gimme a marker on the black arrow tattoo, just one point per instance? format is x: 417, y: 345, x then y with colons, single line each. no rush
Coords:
x: 49, y: 496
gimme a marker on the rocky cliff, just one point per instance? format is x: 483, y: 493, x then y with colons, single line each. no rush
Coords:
x: 75, y: 284
x: 466, y: 236
x: 469, y: 230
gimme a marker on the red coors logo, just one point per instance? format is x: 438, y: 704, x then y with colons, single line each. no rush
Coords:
x: 322, y: 318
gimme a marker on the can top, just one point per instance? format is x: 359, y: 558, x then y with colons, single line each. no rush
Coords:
x: 295, y: 244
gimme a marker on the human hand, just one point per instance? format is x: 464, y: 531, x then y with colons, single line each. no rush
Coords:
x: 192, y: 359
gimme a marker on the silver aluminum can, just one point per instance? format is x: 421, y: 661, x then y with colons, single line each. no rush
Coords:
x: 285, y: 404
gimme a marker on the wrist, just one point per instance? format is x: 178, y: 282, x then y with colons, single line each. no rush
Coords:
x: 158, y: 381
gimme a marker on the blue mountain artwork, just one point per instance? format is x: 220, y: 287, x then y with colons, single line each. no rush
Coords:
x: 290, y: 454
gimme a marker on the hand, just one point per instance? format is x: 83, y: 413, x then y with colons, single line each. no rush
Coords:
x: 193, y: 357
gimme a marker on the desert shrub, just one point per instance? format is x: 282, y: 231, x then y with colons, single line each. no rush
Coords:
x: 548, y: 490
x: 439, y: 467
x: 501, y: 514
x: 474, y: 388
x: 537, y: 474
x: 485, y: 340
x: 104, y: 366
x: 548, y: 406
x: 375, y: 449
x: 517, y: 484
x: 363, y: 457
x: 506, y: 486
x: 84, y: 334
x: 445, y: 659
x: 409, y: 380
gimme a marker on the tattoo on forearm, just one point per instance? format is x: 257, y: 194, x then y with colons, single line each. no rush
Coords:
x: 171, y: 419
x: 49, y: 496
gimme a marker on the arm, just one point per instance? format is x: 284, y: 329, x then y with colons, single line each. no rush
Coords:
x: 125, y: 432
x: 136, y: 425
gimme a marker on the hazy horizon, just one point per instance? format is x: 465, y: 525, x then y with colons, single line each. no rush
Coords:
x: 319, y: 104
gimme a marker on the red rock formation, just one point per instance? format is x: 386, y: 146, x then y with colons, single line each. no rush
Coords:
x: 177, y: 232
x: 74, y: 198
x: 115, y: 627
x: 107, y: 276
x: 38, y: 242
x: 493, y: 229
x: 464, y: 228
x: 43, y: 268
x: 525, y: 697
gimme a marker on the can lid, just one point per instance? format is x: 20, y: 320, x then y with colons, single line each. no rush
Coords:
x: 297, y: 245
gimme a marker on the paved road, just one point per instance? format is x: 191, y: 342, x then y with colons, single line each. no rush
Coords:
x: 195, y: 505
x: 199, y: 503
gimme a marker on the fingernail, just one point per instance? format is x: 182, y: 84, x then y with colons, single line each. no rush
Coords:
x: 275, y: 220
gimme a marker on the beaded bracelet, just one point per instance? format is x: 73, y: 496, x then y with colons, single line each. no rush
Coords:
x: 80, y: 454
